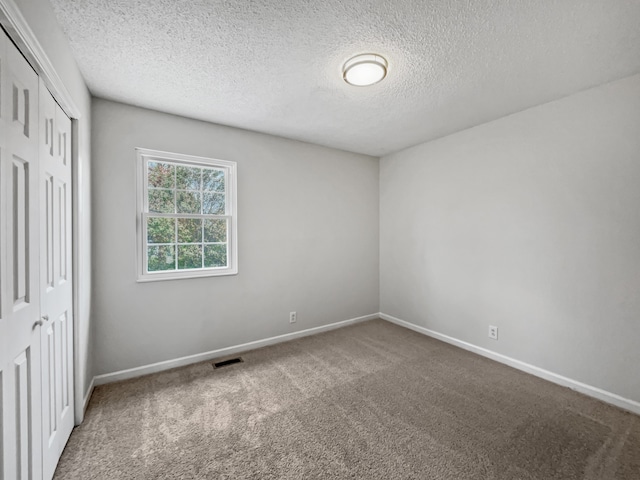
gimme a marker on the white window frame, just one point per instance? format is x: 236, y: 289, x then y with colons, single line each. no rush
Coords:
x: 143, y: 156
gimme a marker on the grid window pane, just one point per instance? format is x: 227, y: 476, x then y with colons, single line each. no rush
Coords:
x: 213, y: 180
x: 215, y: 231
x: 186, y: 220
x: 213, y: 204
x: 188, y: 202
x: 161, y: 230
x: 161, y: 258
x: 161, y: 175
x: 188, y: 178
x: 189, y: 256
x: 215, y: 255
x: 189, y: 230
x: 161, y: 201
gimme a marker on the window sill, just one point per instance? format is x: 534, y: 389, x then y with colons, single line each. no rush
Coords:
x: 159, y: 277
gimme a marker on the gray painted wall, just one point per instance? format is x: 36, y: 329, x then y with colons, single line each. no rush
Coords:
x: 530, y: 223
x: 40, y: 17
x: 308, y: 241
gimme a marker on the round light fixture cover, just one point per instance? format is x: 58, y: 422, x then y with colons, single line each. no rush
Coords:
x: 364, y: 70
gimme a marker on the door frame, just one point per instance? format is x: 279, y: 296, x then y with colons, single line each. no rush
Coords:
x: 20, y: 33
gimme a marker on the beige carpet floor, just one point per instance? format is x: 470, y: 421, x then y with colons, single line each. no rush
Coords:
x: 369, y: 401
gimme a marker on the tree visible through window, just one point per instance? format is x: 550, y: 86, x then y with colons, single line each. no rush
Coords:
x: 187, y: 216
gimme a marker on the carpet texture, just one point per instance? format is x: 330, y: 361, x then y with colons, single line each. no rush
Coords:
x: 369, y: 401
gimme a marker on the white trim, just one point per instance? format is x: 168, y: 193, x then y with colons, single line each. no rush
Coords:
x: 22, y: 35
x: 144, y: 155
x: 78, y: 373
x: 201, y: 357
x: 87, y: 396
x: 20, y: 32
x: 594, y: 392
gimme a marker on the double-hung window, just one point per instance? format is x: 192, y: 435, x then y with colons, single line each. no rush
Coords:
x: 187, y: 219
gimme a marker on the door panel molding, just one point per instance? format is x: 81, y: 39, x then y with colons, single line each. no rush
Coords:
x: 36, y: 272
x: 17, y: 28
x: 56, y: 295
x: 20, y: 346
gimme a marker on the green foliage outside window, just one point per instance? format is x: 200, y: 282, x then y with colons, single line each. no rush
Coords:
x: 179, y: 243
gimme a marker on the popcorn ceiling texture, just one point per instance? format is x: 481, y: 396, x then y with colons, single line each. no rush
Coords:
x: 275, y: 66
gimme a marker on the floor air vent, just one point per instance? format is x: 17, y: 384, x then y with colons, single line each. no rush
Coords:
x: 226, y: 363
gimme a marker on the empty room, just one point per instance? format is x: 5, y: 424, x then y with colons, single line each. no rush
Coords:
x: 340, y: 239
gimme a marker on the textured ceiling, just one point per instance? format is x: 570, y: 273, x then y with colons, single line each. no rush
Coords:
x: 275, y: 66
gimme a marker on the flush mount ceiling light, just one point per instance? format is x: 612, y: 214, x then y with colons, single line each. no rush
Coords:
x: 363, y: 70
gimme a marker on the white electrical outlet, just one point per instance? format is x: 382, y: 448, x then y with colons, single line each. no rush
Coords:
x: 493, y: 332
x: 293, y: 317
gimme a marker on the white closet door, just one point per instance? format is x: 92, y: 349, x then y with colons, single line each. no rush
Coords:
x: 55, y: 280
x: 20, y: 395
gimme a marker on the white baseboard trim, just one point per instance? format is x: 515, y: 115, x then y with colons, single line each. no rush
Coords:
x: 87, y: 395
x: 79, y: 414
x: 598, y: 393
x: 201, y: 357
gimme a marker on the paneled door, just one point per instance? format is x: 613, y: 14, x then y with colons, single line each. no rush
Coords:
x: 55, y: 280
x: 20, y: 324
